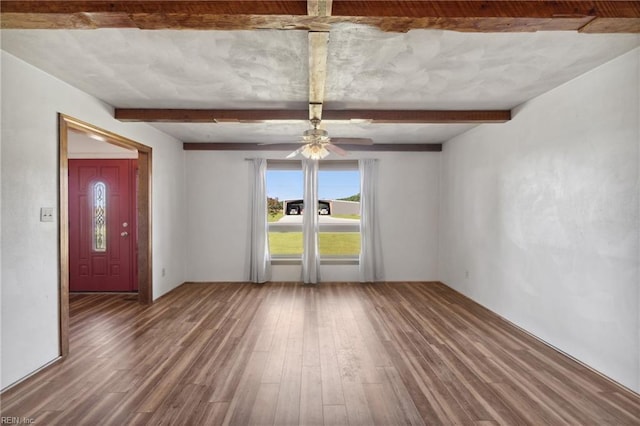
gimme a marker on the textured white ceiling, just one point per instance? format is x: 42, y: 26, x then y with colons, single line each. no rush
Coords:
x: 181, y: 69
x: 426, y: 69
x: 290, y: 132
x: 421, y: 69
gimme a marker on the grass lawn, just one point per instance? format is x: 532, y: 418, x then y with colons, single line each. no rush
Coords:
x: 346, y: 216
x: 274, y: 217
x: 331, y: 243
x: 285, y: 242
x: 339, y: 243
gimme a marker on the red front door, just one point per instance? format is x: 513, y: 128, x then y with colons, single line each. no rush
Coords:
x: 102, y: 232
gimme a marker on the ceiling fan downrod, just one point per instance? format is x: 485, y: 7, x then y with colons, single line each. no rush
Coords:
x: 315, y: 134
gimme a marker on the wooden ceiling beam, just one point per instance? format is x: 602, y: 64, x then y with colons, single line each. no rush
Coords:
x: 398, y: 16
x: 348, y: 8
x: 487, y: 8
x: 420, y: 116
x: 211, y: 7
x: 318, y: 51
x: 319, y: 7
x: 208, y: 115
x: 230, y: 146
x: 318, y: 42
x: 258, y: 116
x: 190, y: 21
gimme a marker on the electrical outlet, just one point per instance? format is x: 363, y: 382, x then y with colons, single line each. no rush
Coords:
x: 466, y: 274
x: 46, y: 214
x: 164, y: 272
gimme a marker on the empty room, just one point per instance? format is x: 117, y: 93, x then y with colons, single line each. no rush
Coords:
x: 320, y: 212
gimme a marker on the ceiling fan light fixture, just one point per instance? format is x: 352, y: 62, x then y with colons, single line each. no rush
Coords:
x: 314, y: 151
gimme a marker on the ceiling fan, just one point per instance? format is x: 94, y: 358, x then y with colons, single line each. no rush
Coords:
x: 318, y: 144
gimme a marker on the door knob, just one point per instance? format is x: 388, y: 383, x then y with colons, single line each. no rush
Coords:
x: 124, y: 233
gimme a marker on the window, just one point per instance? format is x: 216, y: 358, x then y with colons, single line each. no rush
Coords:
x: 339, y: 195
x: 99, y: 216
x: 338, y: 209
x: 284, y: 187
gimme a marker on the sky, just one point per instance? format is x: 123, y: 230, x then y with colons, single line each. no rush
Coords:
x: 287, y: 184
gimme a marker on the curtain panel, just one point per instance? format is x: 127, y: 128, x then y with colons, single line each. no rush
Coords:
x: 260, y: 259
x: 370, y: 264
x: 310, y: 226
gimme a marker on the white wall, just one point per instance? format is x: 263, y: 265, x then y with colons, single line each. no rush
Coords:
x: 218, y: 216
x: 81, y: 146
x: 31, y: 101
x: 543, y: 213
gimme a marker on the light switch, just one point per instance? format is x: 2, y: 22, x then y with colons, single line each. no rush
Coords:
x: 46, y: 214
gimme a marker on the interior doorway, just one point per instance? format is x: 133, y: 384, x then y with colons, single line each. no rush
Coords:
x: 142, y: 238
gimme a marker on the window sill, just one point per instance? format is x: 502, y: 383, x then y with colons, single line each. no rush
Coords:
x: 340, y: 261
x: 325, y: 261
x: 286, y: 261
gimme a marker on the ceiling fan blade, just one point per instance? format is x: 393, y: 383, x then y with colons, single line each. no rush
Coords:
x: 276, y: 144
x: 352, y: 141
x: 296, y: 152
x: 336, y: 149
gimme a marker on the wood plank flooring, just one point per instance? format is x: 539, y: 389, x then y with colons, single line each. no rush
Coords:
x: 290, y: 354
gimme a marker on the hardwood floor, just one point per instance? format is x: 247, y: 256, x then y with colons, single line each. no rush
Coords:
x: 289, y: 354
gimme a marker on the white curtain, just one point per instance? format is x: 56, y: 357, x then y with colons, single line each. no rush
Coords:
x: 310, y: 252
x: 370, y: 269
x: 260, y: 262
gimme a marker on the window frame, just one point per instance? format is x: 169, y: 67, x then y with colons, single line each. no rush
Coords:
x: 284, y: 165
x: 324, y: 165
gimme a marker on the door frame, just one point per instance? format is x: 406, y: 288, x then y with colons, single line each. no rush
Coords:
x: 144, y: 236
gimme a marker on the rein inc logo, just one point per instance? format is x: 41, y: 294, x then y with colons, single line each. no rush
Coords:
x: 16, y: 420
